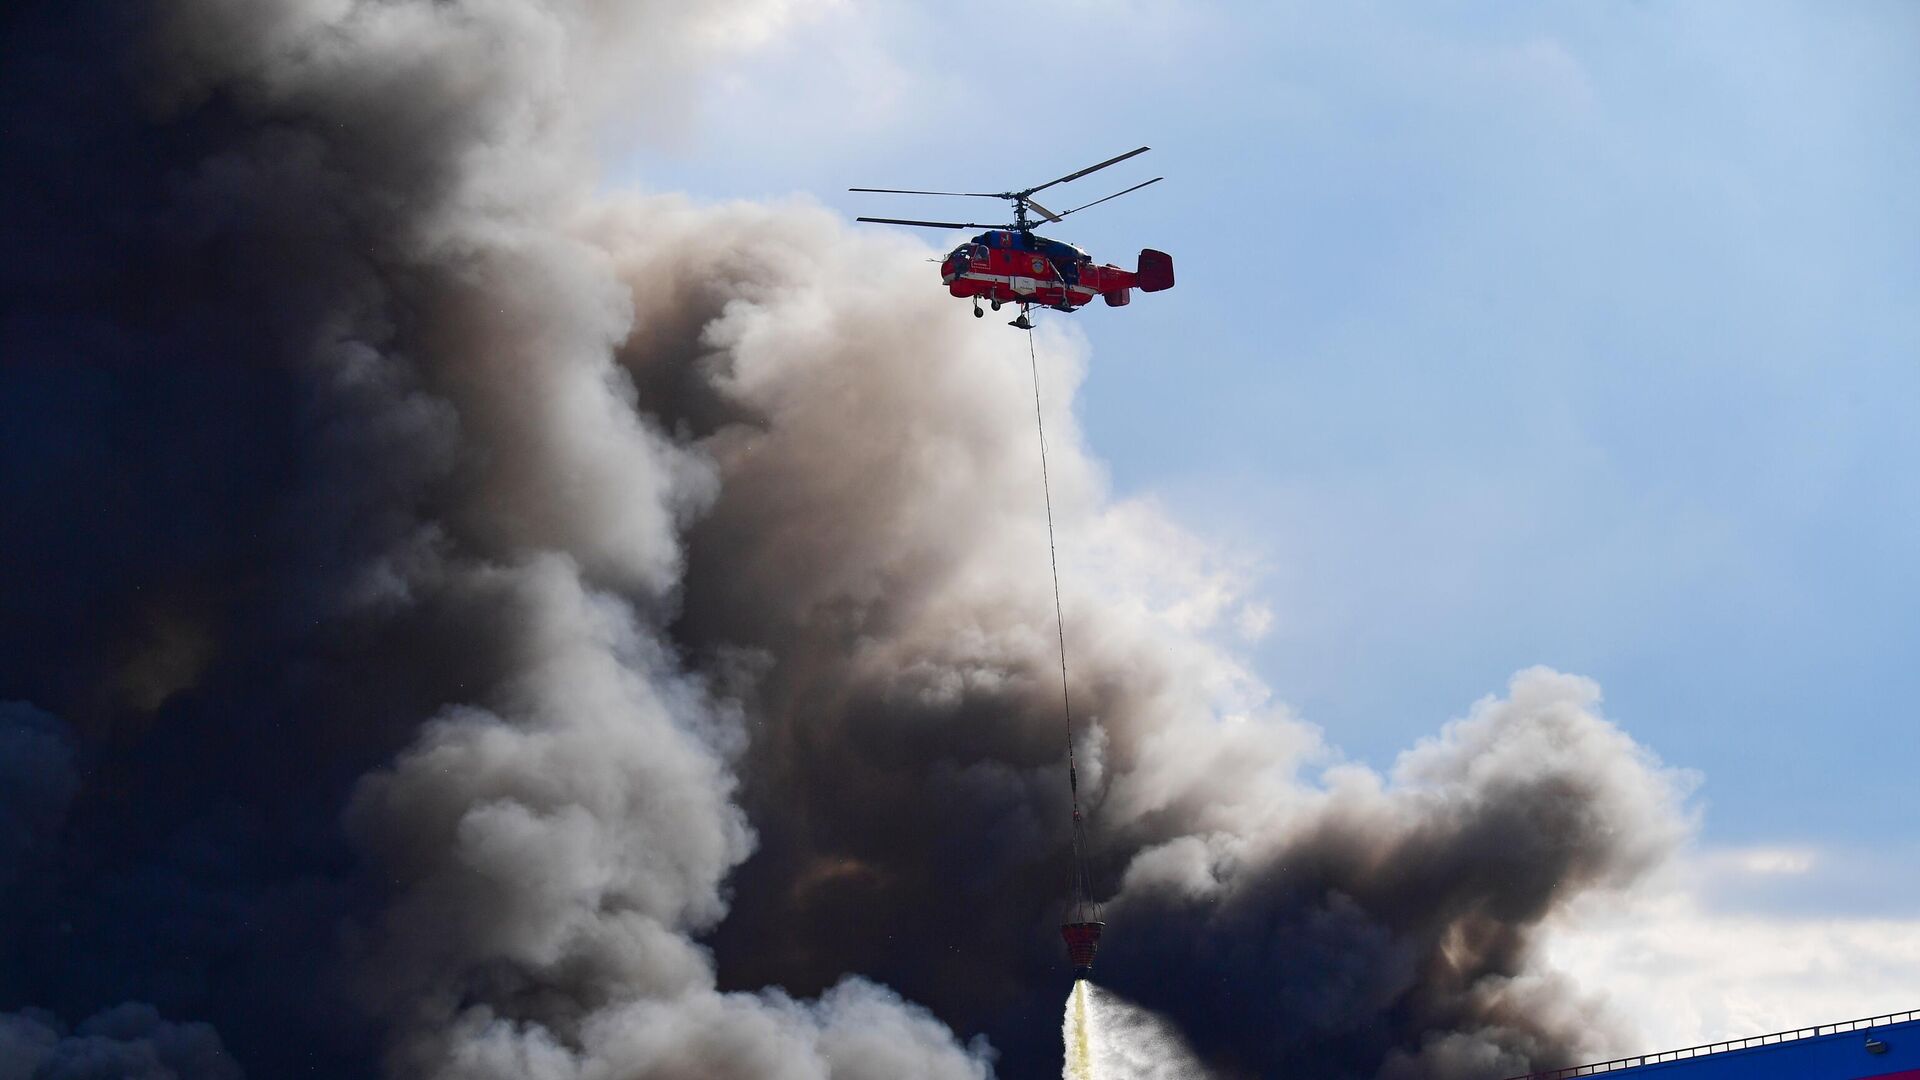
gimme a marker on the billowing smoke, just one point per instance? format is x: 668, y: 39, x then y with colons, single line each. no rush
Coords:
x: 128, y: 1041
x: 468, y: 624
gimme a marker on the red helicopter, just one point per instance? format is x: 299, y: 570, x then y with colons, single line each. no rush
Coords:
x: 1011, y: 264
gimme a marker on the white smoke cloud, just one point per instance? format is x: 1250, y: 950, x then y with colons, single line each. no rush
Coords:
x: 856, y: 1031
x: 1684, y: 963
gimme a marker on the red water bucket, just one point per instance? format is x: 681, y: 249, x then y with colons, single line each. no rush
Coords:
x: 1083, y: 940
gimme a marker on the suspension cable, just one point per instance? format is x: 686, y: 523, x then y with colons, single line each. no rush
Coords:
x: 1053, y: 557
x: 1082, y: 884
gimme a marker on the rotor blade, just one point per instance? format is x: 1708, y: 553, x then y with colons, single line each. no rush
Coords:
x: 927, y: 224
x: 911, y: 191
x: 1088, y: 169
x: 1115, y: 195
x: 1041, y: 210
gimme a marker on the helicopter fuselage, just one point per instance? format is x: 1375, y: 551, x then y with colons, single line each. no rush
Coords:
x: 1010, y: 266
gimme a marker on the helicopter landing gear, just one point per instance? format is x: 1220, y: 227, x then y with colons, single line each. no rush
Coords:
x: 995, y: 304
x: 977, y: 313
x: 1022, y: 322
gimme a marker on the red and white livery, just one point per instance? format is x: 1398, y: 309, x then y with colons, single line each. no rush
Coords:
x: 1008, y: 267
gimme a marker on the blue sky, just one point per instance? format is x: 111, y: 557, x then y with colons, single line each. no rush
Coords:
x: 1580, y: 334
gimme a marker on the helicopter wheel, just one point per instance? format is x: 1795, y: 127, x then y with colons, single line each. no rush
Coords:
x: 996, y: 304
x: 977, y: 313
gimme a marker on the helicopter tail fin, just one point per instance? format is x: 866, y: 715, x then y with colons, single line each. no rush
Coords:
x: 1156, y: 271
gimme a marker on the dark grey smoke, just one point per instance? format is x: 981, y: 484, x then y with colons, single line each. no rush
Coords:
x: 474, y: 626
x: 130, y: 1042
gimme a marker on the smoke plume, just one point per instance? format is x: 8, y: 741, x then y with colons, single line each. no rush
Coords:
x: 468, y: 624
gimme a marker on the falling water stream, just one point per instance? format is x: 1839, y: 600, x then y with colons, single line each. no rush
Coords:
x: 1110, y: 1038
x: 1077, y: 1031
